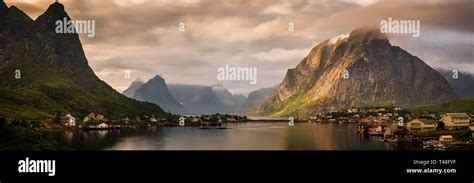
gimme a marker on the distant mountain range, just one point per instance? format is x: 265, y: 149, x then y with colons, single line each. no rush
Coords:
x: 130, y: 91
x: 194, y: 99
x: 198, y: 99
x: 44, y: 73
x: 226, y: 97
x: 463, y: 85
x: 363, y: 69
x: 53, y: 75
x: 258, y: 96
x: 156, y: 91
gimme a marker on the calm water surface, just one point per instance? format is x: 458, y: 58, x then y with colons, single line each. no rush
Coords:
x: 241, y: 136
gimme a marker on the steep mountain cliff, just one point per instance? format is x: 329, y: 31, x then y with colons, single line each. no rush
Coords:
x: 45, y: 73
x: 360, y: 70
x: 130, y: 91
x: 156, y: 91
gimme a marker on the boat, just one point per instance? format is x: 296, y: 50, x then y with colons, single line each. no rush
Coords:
x: 433, y: 144
x: 101, y: 126
x: 375, y: 133
x: 212, y: 125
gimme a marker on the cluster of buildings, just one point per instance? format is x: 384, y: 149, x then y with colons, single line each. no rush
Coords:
x: 450, y: 121
x: 395, y: 115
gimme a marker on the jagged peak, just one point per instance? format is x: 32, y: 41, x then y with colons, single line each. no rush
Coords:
x: 14, y: 9
x: 17, y: 18
x: 157, y: 78
x: 334, y: 40
x: 138, y: 80
x: 56, y: 6
x: 54, y: 12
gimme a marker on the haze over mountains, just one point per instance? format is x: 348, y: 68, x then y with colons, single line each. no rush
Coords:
x: 130, y: 91
x: 377, y: 73
x: 463, y: 85
x: 156, y: 91
x: 226, y: 97
x: 53, y: 73
x: 195, y: 99
x: 55, y: 78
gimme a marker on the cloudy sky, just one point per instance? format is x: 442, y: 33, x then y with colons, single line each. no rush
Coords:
x: 143, y: 36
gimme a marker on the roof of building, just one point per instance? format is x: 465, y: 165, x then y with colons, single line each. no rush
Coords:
x: 458, y: 115
x: 427, y: 121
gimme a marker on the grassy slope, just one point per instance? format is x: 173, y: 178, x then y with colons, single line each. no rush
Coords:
x: 54, y: 81
x: 462, y: 105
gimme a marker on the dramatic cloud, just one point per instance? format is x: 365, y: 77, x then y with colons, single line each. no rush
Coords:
x: 143, y: 36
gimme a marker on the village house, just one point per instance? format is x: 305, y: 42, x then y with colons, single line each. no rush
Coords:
x: 195, y: 119
x: 352, y: 110
x: 422, y: 125
x: 71, y: 120
x: 86, y: 119
x: 99, y: 117
x: 455, y: 120
x: 446, y: 138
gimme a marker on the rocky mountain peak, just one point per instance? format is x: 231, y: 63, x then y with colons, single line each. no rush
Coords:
x: 366, y: 34
x: 54, y: 13
x: 138, y: 80
x: 59, y: 78
x: 55, y: 10
x: 66, y: 45
x: 15, y: 18
x: 362, y: 70
x: 157, y: 79
x: 367, y: 38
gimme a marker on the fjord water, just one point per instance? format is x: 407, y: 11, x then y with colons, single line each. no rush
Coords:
x: 238, y: 136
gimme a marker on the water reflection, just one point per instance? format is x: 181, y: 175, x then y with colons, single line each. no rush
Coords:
x: 241, y: 136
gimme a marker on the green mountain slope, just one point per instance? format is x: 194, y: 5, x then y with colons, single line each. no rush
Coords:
x: 55, y: 75
x: 462, y: 105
